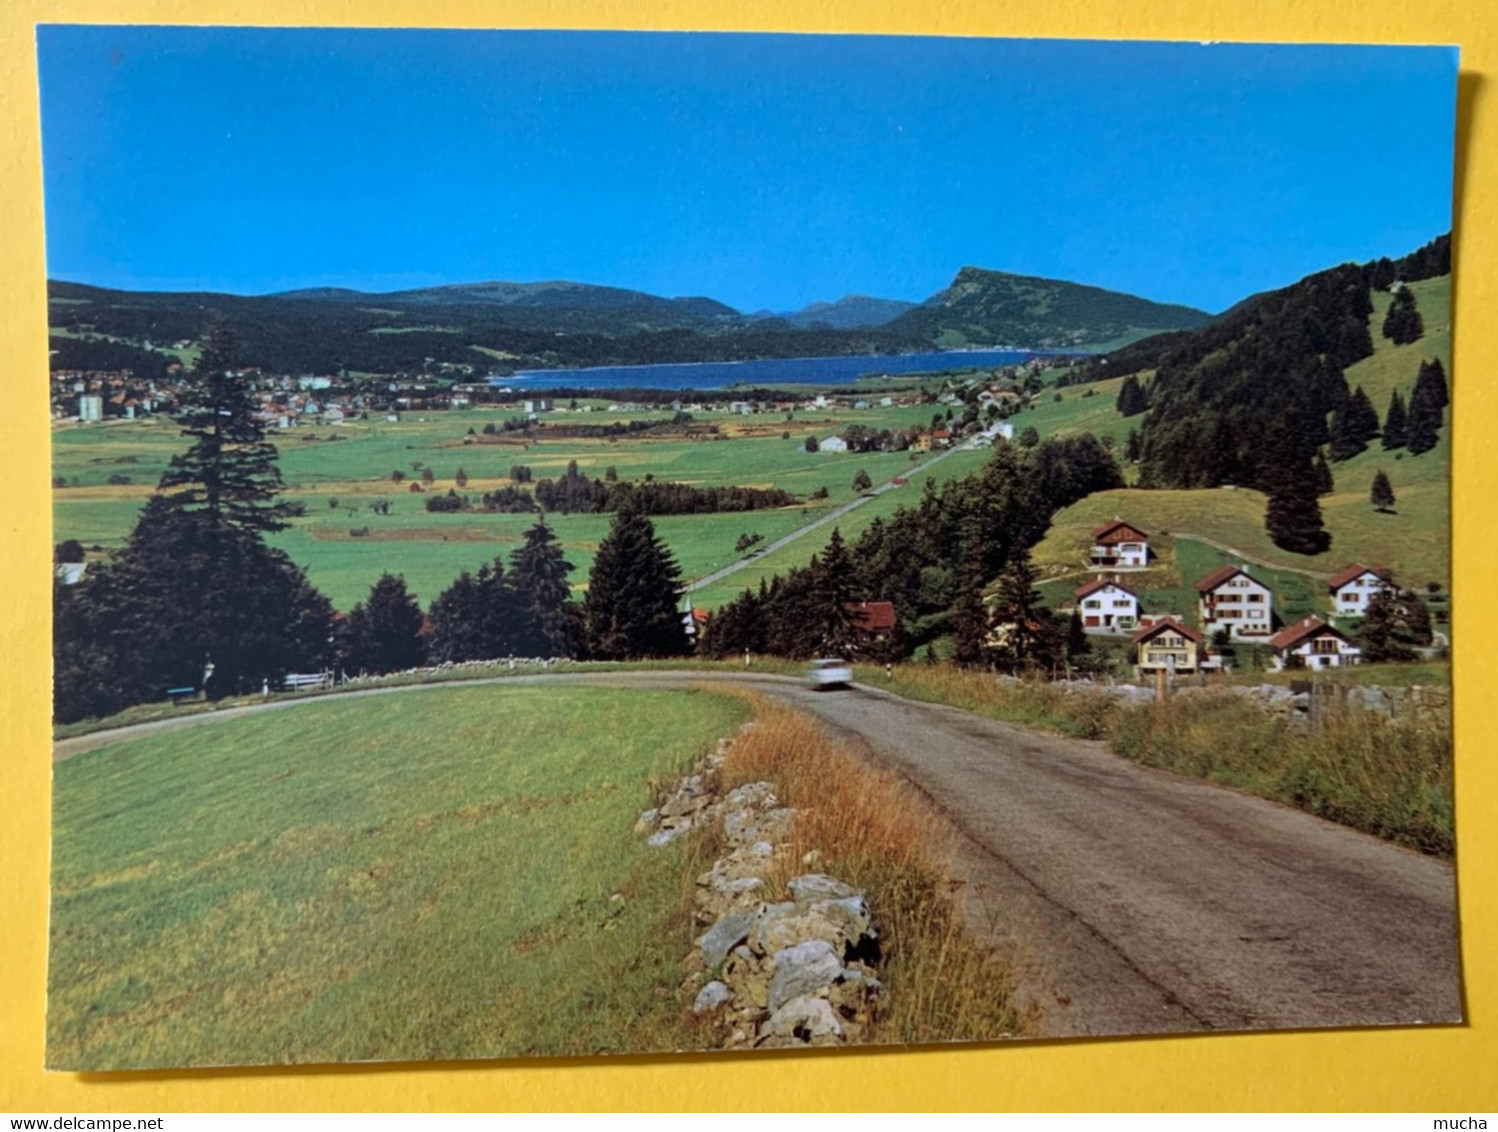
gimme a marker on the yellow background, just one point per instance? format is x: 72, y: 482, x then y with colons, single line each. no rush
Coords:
x: 1445, y: 1070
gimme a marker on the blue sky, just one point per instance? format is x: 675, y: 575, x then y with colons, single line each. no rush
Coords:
x: 764, y: 171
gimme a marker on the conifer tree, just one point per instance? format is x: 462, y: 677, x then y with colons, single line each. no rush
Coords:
x: 384, y: 633
x: 1133, y: 398
x: 1381, y: 495
x: 1293, y: 516
x: 229, y: 471
x: 633, y: 591
x: 1403, y: 324
x: 1433, y: 374
x: 1027, y: 635
x: 834, y: 589
x: 970, y: 619
x: 1396, y: 427
x: 1426, y: 410
x: 1363, y: 418
x: 538, y: 573
x: 1325, y: 484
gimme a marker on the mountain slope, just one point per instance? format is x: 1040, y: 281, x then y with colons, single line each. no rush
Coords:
x: 851, y: 312
x: 996, y: 308
x: 559, y: 294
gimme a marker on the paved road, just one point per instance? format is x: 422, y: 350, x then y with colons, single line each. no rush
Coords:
x: 1141, y: 902
x: 822, y: 520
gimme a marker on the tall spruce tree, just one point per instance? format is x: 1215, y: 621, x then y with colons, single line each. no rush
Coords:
x: 1133, y: 398
x: 970, y: 619
x: 229, y: 471
x: 1427, y: 405
x: 631, y: 608
x: 545, y: 619
x: 1432, y: 374
x: 195, y: 583
x: 1396, y: 427
x: 1403, y: 324
x: 1293, y: 515
x: 834, y: 587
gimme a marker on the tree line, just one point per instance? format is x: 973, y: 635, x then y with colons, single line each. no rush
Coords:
x: 932, y: 561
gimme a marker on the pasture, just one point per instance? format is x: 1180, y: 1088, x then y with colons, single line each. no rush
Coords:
x: 449, y: 873
x: 339, y: 481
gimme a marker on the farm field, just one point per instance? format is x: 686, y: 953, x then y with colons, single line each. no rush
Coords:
x: 308, y: 887
x: 338, y: 480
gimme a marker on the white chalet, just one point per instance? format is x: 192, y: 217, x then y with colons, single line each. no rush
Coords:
x: 1106, y: 606
x: 833, y: 444
x: 1120, y: 546
x: 1354, y: 587
x: 1233, y: 599
x: 1313, y: 643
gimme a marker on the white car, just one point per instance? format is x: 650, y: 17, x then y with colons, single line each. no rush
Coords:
x: 830, y: 672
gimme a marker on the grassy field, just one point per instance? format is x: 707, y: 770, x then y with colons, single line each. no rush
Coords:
x: 338, y: 481
x: 309, y: 887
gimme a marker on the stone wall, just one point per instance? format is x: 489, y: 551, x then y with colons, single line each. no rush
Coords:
x: 771, y: 968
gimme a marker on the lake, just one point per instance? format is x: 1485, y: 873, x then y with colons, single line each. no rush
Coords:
x: 767, y: 372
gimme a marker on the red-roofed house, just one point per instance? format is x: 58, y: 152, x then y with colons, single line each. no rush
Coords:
x: 876, y: 618
x: 1233, y: 599
x: 1312, y: 643
x: 1169, y: 646
x: 1119, y: 546
x: 1353, y: 587
x: 1106, y: 606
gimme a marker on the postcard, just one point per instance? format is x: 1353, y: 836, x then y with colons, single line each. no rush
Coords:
x: 579, y: 543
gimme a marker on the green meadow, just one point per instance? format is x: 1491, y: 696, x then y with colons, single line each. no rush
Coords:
x: 338, y: 472
x: 460, y: 880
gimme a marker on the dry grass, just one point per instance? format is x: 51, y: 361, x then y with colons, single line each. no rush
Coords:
x: 873, y: 830
x: 1391, y: 778
x: 1033, y: 703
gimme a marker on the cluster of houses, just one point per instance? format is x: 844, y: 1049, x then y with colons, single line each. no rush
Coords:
x: 1229, y: 599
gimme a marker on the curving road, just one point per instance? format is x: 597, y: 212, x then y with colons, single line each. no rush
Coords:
x: 1139, y: 902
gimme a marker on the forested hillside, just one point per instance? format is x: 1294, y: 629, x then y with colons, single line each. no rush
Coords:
x: 991, y: 308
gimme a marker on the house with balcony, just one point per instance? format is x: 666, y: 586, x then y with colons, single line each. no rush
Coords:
x: 1313, y: 644
x: 1169, y: 646
x: 1119, y: 546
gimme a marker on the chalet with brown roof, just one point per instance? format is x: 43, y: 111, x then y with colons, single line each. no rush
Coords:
x: 1169, y: 646
x: 1120, y: 546
x: 1312, y: 643
x: 1353, y: 587
x: 1107, y: 606
x: 1233, y: 599
x: 875, y: 620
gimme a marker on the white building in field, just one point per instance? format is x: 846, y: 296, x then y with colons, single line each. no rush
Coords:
x: 1106, y: 606
x: 1313, y: 644
x: 1355, y: 586
x: 91, y: 407
x: 833, y: 444
x: 1120, y: 546
x: 1233, y: 599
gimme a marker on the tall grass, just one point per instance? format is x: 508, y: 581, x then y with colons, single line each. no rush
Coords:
x: 872, y: 830
x: 1033, y: 703
x: 1387, y: 777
